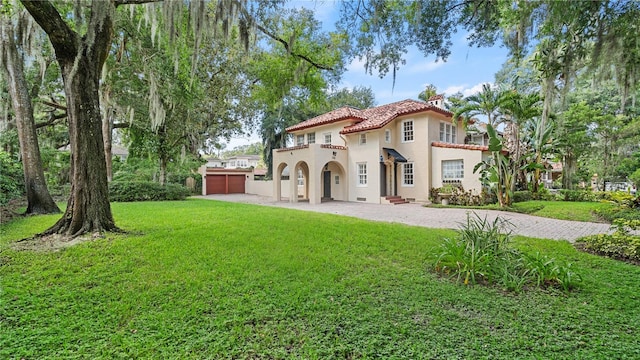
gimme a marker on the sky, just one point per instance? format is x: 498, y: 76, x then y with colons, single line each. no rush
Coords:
x: 465, y: 70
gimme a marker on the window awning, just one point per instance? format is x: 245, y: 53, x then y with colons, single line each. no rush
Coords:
x: 396, y: 155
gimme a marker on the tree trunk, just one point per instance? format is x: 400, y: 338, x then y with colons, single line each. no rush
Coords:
x: 81, y: 60
x: 107, y: 128
x: 39, y: 201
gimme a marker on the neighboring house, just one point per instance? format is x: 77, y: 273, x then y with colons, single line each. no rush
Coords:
x: 216, y: 163
x: 120, y: 152
x: 401, y: 149
x: 243, y: 161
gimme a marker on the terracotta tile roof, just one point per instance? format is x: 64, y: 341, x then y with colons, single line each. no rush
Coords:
x: 437, y: 97
x: 343, y: 113
x: 380, y: 116
x: 369, y: 119
x: 459, y: 146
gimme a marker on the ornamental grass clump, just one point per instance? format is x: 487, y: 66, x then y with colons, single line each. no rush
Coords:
x: 482, y: 254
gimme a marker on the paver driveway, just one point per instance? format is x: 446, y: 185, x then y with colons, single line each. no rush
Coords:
x: 449, y: 218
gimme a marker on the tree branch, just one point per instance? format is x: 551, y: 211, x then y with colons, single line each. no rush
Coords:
x: 60, y: 34
x: 121, y: 125
x: 54, y: 105
x: 53, y: 119
x: 134, y: 2
x: 287, y: 47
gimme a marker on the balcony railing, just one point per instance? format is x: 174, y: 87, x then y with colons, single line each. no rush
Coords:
x: 306, y: 146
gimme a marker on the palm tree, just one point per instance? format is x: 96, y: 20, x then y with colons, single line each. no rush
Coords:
x: 488, y: 102
x: 518, y: 109
x: 540, y: 135
x: 429, y: 91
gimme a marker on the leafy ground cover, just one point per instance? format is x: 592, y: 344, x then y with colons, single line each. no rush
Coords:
x: 203, y: 279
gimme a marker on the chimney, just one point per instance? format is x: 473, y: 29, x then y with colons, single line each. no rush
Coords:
x: 437, y: 101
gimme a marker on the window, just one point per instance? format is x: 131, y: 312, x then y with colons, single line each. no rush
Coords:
x: 452, y: 169
x: 407, y: 131
x: 300, y: 140
x: 447, y: 133
x: 300, y: 178
x: 407, y: 174
x: 327, y: 138
x: 337, y: 177
x: 387, y: 136
x: 362, y: 174
x: 311, y: 138
x: 363, y: 139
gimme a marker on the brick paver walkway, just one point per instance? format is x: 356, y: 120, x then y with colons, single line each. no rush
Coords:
x: 449, y: 218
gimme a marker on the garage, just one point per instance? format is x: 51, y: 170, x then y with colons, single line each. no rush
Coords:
x: 224, y: 182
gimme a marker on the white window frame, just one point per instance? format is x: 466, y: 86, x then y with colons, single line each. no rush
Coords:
x: 299, y: 140
x: 448, y: 133
x: 300, y: 177
x: 311, y: 138
x: 387, y: 135
x: 408, y: 135
x: 362, y: 139
x: 361, y: 171
x: 327, y: 136
x: 408, y: 173
x: 453, y: 169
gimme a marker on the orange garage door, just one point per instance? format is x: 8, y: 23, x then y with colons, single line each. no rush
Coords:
x: 225, y: 184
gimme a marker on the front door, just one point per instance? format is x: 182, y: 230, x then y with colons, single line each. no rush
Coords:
x: 326, y: 175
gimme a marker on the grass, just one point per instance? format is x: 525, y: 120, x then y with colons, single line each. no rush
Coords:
x: 201, y: 279
x: 562, y: 210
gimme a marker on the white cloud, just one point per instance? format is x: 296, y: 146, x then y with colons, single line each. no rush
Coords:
x: 465, y: 89
x: 356, y: 65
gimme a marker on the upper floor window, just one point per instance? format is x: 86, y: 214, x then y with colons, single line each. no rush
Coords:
x: 363, y: 139
x: 362, y: 174
x: 387, y: 136
x: 407, y: 131
x: 311, y: 138
x: 407, y: 174
x: 300, y: 140
x: 448, y: 132
x: 327, y: 138
x: 452, y: 169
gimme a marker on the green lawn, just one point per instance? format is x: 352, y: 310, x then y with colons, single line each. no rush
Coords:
x: 563, y: 210
x: 205, y: 280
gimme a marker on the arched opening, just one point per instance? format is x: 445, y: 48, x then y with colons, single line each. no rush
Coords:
x: 281, y: 181
x: 301, y: 178
x: 333, y: 182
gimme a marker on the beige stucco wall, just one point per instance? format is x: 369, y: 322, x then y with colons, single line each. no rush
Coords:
x: 265, y: 188
x: 470, y: 158
x: 368, y: 153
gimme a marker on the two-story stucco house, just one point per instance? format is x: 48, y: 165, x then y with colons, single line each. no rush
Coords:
x: 384, y: 154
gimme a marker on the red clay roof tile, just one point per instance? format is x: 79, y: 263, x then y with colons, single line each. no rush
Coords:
x: 459, y: 146
x: 369, y: 119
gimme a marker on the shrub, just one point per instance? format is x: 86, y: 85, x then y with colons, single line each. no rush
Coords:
x: 482, y: 254
x: 578, y: 195
x: 145, y: 191
x: 521, y: 196
x: 11, y: 178
x: 458, y: 196
x: 621, y: 244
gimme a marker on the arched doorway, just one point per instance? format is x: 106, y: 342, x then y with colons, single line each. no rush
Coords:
x: 333, y: 182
